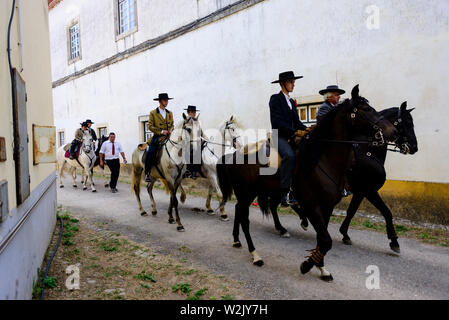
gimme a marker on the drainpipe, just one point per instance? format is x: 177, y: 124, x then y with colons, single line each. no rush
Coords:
x: 19, y: 7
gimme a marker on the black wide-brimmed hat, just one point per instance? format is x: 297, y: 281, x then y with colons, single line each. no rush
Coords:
x: 162, y: 96
x: 83, y: 124
x: 89, y: 121
x: 332, y: 88
x: 289, y: 75
x: 191, y: 109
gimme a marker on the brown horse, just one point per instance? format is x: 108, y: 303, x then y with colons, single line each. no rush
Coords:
x: 323, y: 158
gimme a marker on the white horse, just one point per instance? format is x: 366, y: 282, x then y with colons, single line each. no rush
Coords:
x: 84, y: 176
x: 171, y: 168
x: 226, y: 141
x: 85, y: 161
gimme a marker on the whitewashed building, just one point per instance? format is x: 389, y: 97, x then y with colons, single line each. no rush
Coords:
x: 110, y: 58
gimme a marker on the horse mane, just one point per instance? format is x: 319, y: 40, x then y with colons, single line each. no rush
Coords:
x: 390, y: 114
x: 310, y: 149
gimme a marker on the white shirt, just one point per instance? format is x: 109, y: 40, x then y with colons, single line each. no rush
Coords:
x: 162, y: 112
x: 106, y: 149
x: 288, y: 101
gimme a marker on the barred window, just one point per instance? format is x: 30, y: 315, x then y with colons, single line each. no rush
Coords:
x: 147, y: 134
x: 102, y: 131
x: 61, y: 138
x: 126, y: 15
x: 74, y: 35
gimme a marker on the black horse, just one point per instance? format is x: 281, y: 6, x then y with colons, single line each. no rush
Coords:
x: 368, y: 174
x: 323, y: 158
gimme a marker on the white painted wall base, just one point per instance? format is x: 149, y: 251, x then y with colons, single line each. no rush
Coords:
x: 23, y: 254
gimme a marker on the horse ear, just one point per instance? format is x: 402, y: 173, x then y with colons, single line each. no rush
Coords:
x: 411, y: 110
x: 404, y: 106
x: 232, y: 118
x: 196, y: 118
x: 355, y: 92
x: 184, y: 116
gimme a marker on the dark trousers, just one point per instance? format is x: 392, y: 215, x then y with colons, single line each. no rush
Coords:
x: 114, y: 166
x: 287, y: 163
x: 74, y: 147
x: 152, y: 150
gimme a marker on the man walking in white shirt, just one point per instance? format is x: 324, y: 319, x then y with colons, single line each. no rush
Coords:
x: 110, y: 153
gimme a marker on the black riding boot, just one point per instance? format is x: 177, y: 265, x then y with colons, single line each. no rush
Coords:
x: 288, y: 199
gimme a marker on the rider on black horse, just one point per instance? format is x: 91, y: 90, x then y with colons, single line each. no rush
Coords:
x: 76, y: 143
x: 284, y: 117
x: 161, y: 123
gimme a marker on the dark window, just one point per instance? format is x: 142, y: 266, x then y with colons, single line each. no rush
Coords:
x: 147, y: 134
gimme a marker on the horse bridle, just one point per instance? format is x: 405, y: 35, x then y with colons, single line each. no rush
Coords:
x: 234, y: 139
x: 378, y: 135
x: 403, y: 147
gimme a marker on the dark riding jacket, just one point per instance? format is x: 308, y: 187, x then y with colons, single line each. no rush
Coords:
x: 284, y: 119
x: 324, y: 108
x: 92, y: 133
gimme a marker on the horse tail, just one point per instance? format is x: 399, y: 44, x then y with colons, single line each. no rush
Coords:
x: 136, y: 175
x: 165, y: 183
x: 264, y: 204
x: 224, y: 180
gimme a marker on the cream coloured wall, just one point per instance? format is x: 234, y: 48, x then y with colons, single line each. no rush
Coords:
x: 226, y: 68
x: 37, y: 75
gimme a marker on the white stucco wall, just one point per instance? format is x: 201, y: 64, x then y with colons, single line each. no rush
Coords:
x: 226, y: 68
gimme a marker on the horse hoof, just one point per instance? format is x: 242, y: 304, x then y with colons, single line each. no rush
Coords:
x: 180, y: 229
x: 347, y: 241
x: 237, y: 245
x: 61, y: 186
x: 258, y: 263
x: 210, y: 212
x: 328, y: 278
x: 94, y: 191
x: 143, y: 214
x: 395, y: 247
x: 154, y: 213
x: 171, y: 221
x: 306, y: 266
x: 224, y: 218
x: 106, y: 185
x: 75, y: 186
x: 84, y: 189
x: 285, y: 235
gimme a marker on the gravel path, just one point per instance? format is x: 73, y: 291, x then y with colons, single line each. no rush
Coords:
x: 419, y: 272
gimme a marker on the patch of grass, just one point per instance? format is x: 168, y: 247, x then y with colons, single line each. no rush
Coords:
x: 185, y: 249
x: 146, y: 286
x: 110, y: 245
x: 145, y: 276
x: 183, y: 287
x: 400, y: 228
x: 227, y: 297
x: 197, y: 295
x: 50, y: 282
x: 68, y: 242
x: 188, y: 272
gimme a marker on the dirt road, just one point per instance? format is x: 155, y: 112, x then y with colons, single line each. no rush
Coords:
x: 419, y: 272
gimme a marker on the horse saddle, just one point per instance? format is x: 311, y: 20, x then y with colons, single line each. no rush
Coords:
x: 67, y: 151
x: 156, y: 156
x: 271, y: 153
